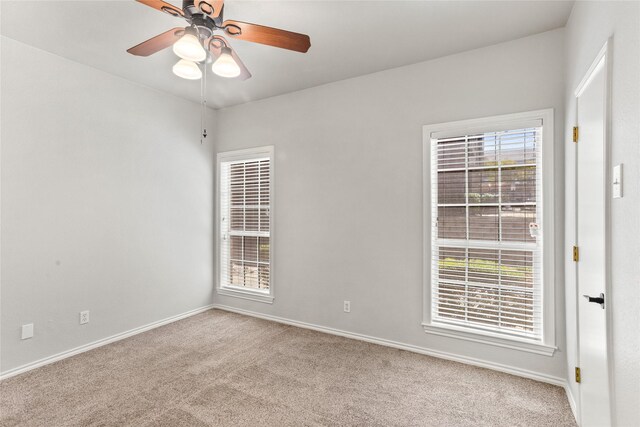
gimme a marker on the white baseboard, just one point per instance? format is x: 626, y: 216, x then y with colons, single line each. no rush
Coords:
x: 561, y: 382
x: 99, y: 343
x: 572, y: 402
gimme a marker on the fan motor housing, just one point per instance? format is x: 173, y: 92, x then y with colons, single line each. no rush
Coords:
x: 205, y: 25
x: 186, y: 4
x: 196, y: 17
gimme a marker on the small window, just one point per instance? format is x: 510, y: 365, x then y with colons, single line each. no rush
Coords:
x: 486, y: 211
x: 245, y: 223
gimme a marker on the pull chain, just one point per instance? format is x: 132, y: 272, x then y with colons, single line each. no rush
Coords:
x: 203, y: 93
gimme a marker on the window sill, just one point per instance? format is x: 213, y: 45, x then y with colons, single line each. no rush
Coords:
x: 489, y: 338
x: 245, y: 294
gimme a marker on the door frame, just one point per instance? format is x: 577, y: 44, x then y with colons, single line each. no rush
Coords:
x: 606, y: 54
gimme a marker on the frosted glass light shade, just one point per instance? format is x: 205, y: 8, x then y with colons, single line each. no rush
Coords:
x: 225, y: 65
x: 187, y: 70
x: 189, y: 48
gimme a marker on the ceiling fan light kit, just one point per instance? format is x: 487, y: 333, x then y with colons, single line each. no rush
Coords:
x: 225, y: 65
x: 187, y: 70
x: 198, y: 42
x: 189, y: 47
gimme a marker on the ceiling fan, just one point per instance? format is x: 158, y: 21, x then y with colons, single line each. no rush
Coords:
x: 199, y: 42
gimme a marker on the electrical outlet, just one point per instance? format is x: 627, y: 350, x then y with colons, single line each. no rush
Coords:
x: 84, y: 317
x: 347, y: 306
x: 27, y: 331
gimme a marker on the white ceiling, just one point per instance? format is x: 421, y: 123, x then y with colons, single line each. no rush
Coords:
x: 348, y: 38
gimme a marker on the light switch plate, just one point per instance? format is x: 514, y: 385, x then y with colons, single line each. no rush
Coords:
x: 617, y: 182
x: 27, y: 331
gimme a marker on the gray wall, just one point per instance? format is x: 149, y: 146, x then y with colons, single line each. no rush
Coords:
x: 348, y: 187
x: 589, y: 27
x: 106, y: 205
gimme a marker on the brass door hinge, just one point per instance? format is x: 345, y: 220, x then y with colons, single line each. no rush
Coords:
x: 578, y: 377
x: 575, y: 134
x: 576, y: 254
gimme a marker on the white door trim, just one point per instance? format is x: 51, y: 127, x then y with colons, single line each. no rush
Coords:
x: 605, y: 52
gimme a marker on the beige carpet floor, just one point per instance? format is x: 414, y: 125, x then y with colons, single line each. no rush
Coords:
x: 220, y: 368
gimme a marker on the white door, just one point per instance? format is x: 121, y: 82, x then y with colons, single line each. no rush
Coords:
x: 592, y: 273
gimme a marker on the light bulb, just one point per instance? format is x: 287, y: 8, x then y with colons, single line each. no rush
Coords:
x: 187, y: 70
x: 225, y: 65
x: 189, y: 48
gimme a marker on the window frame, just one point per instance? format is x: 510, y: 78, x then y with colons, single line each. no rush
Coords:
x: 234, y: 156
x: 546, y: 344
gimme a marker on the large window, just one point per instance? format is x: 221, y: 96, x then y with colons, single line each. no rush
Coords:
x: 486, y: 215
x: 244, y: 216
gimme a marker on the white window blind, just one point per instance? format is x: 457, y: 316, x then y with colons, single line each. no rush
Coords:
x: 486, y: 252
x: 245, y: 224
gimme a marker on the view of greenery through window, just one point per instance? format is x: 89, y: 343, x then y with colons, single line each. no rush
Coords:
x: 486, y: 267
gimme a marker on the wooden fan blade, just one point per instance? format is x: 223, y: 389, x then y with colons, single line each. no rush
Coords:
x: 267, y: 35
x: 157, y: 43
x: 215, y: 47
x: 163, y: 7
x: 211, y: 8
